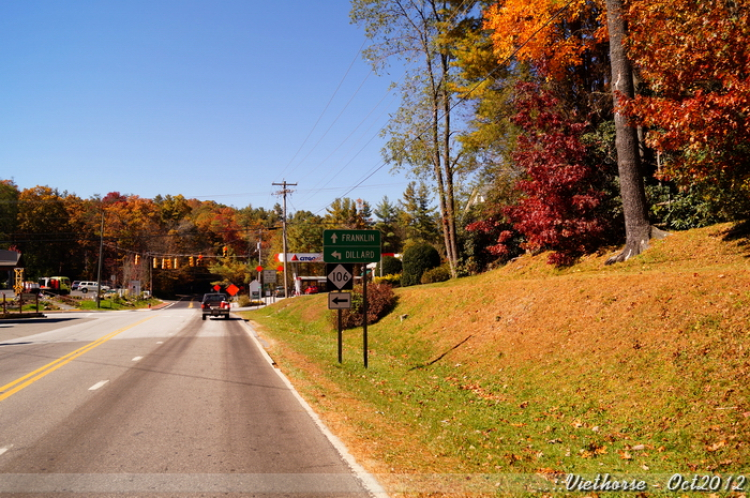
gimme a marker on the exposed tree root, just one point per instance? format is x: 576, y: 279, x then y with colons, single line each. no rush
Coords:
x: 637, y: 244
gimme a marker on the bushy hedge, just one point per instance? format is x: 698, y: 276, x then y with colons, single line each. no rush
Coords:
x: 392, y: 280
x: 380, y: 301
x: 418, y: 258
x: 390, y: 266
x: 439, y: 274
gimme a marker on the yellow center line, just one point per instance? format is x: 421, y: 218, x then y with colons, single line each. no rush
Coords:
x: 8, y: 389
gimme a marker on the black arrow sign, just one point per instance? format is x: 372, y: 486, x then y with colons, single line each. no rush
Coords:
x: 339, y: 300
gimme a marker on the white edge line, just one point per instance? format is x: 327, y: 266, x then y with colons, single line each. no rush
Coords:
x: 368, y: 481
x: 98, y: 385
x: 5, y: 448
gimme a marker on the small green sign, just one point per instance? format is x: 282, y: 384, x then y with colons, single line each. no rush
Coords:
x: 340, y: 238
x: 351, y: 254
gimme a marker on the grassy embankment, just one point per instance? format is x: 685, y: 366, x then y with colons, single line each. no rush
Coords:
x: 527, y: 373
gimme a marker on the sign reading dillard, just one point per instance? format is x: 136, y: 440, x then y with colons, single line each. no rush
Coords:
x: 351, y: 246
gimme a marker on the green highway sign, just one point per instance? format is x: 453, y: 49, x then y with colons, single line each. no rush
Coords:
x: 351, y: 246
x: 351, y: 238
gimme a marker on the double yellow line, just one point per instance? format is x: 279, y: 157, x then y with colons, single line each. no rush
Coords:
x: 10, y: 389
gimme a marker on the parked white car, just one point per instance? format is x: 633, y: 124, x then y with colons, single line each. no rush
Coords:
x: 85, y: 287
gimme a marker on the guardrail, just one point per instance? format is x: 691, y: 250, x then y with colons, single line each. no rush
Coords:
x: 10, y: 312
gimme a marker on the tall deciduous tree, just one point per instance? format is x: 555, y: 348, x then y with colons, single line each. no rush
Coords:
x: 563, y: 41
x: 422, y: 134
x: 44, y: 230
x: 8, y: 212
x: 638, y: 230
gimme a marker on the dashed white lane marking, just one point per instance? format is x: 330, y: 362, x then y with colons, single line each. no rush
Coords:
x: 5, y: 448
x: 160, y: 342
x: 98, y: 385
x: 137, y: 358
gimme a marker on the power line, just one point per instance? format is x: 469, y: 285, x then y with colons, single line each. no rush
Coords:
x: 465, y: 96
x: 335, y: 92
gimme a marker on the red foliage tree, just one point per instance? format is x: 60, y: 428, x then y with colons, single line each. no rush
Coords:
x: 561, y: 209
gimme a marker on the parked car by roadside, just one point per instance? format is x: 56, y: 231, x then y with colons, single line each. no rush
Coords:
x: 85, y: 287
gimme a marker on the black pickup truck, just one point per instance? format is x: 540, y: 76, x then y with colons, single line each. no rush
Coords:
x: 215, y: 304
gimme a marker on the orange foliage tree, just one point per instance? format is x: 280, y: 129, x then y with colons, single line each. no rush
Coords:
x: 555, y: 35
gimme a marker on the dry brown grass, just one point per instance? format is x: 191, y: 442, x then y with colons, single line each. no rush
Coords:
x: 652, y: 354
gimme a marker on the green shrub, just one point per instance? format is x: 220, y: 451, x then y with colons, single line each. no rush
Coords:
x: 418, y: 258
x: 380, y: 301
x: 390, y: 266
x: 392, y: 280
x: 439, y: 274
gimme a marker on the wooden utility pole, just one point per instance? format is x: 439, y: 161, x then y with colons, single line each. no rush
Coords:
x: 99, y: 265
x: 284, y: 191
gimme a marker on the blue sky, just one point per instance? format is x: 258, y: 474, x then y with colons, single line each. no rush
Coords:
x: 211, y: 99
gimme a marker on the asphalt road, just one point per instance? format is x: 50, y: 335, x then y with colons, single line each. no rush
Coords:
x: 156, y: 403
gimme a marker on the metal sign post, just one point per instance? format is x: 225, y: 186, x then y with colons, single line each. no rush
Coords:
x: 340, y: 301
x: 364, y: 312
x: 352, y: 246
x: 341, y: 340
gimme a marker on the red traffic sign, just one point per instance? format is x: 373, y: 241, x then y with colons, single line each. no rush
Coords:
x: 259, y: 268
x: 217, y: 287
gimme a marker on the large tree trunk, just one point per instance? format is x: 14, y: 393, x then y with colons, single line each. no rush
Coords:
x: 451, y: 245
x: 632, y: 190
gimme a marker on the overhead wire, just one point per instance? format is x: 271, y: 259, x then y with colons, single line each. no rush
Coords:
x: 458, y: 11
x: 325, y: 109
x: 471, y: 90
x: 333, y: 174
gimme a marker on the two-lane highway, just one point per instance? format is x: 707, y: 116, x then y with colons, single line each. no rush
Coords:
x: 156, y: 403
